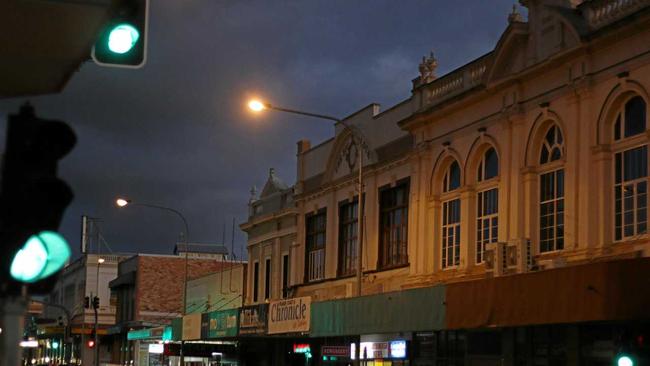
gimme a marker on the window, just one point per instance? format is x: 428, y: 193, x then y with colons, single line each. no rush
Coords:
x: 487, y: 203
x: 267, y: 279
x: 451, y: 233
x: 551, y: 194
x: 315, y: 245
x: 631, y: 121
x: 488, y: 168
x: 348, y: 227
x: 487, y: 221
x: 256, y: 278
x: 631, y: 173
x: 451, y: 218
x: 451, y: 180
x: 285, y: 275
x: 393, y: 225
x: 631, y: 192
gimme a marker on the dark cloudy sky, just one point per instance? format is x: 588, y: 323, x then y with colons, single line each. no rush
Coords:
x: 176, y: 133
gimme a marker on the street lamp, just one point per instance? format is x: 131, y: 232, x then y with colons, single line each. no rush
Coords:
x: 123, y: 202
x: 257, y: 106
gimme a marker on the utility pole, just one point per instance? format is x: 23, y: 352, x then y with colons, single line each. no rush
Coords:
x: 95, y: 308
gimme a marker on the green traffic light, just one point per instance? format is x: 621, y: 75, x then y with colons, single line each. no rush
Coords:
x: 55, y: 345
x: 624, y: 360
x: 122, y: 38
x: 41, y: 256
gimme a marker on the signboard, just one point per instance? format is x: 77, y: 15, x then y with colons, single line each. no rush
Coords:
x: 380, y: 350
x: 223, y: 323
x: 192, y: 326
x: 336, y: 351
x: 252, y: 319
x: 289, y: 316
x: 156, y: 348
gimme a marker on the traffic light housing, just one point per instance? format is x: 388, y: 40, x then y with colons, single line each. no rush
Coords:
x: 123, y: 41
x: 87, y: 302
x: 32, y: 202
x: 95, y: 302
x: 90, y: 343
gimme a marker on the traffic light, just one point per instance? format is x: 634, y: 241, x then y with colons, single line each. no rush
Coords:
x: 623, y: 359
x: 123, y: 41
x: 32, y: 202
x: 95, y: 302
x: 87, y: 302
x: 90, y: 343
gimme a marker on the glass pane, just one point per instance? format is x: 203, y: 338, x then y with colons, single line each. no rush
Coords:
x: 617, y: 128
x: 556, y: 154
x: 454, y: 176
x: 491, y: 164
x: 635, y: 115
x: 543, y: 158
x: 617, y: 167
x: 550, y: 136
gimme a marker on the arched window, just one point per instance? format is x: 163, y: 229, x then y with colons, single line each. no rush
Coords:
x: 631, y: 171
x: 488, y: 168
x: 487, y: 203
x: 551, y: 192
x: 451, y: 217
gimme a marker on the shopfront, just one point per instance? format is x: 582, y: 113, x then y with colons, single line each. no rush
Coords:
x: 290, y: 320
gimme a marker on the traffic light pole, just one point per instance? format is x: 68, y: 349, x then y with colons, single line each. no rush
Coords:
x: 95, y: 306
x: 12, y: 321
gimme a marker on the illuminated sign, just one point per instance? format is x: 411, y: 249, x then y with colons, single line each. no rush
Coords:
x: 29, y: 344
x: 156, y: 348
x: 398, y: 349
x: 301, y: 348
x: 379, y: 350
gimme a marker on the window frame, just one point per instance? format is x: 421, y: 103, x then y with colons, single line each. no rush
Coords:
x: 484, y: 185
x: 268, y: 279
x: 552, y: 166
x: 383, y: 251
x: 621, y: 145
x: 352, y: 224
x: 314, y: 233
x: 285, y: 275
x: 256, y: 281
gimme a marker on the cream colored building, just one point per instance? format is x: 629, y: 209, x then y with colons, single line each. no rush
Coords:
x: 509, y: 194
x: 571, y: 71
x: 271, y: 229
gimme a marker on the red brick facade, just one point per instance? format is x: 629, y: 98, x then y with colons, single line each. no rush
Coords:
x: 160, y: 284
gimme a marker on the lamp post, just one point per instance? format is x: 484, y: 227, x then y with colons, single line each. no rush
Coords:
x: 123, y: 202
x: 99, y: 263
x: 258, y: 106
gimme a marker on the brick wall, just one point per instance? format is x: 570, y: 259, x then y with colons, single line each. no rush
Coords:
x: 160, y: 284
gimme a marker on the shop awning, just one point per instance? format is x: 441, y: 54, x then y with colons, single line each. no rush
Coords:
x: 604, y: 291
x: 409, y: 310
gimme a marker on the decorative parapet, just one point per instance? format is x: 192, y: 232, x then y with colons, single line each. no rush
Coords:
x: 602, y: 12
x: 454, y: 83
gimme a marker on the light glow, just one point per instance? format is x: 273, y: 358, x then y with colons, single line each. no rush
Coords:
x: 625, y: 361
x: 41, y: 256
x: 256, y: 105
x: 122, y: 38
x: 121, y: 202
x: 29, y: 344
x: 101, y: 260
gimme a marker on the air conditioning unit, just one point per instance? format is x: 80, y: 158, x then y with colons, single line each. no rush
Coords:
x: 490, y: 256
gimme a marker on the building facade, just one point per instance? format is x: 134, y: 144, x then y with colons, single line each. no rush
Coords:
x: 149, y: 292
x: 500, y: 200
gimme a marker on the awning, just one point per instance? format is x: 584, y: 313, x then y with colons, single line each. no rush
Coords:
x: 409, y: 310
x: 604, y: 291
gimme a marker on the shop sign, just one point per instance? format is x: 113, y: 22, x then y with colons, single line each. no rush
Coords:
x: 223, y: 323
x: 301, y: 348
x: 156, y: 348
x: 336, y: 351
x: 380, y: 350
x: 138, y: 334
x: 289, y: 316
x: 252, y: 319
x: 192, y: 326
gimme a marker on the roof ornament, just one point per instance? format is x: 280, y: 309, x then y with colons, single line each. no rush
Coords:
x: 515, y: 16
x: 428, y: 68
x: 253, y: 194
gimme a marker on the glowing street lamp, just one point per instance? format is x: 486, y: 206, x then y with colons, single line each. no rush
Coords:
x: 256, y: 105
x: 121, y: 202
x: 358, y: 140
